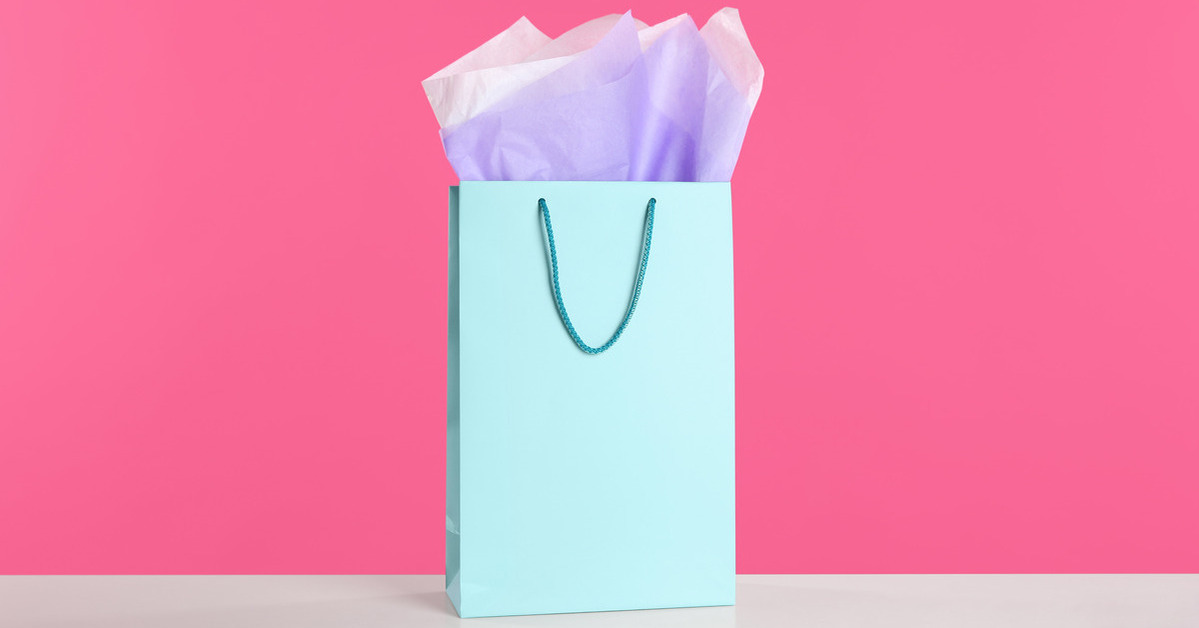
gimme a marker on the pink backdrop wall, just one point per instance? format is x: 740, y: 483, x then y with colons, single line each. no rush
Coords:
x: 967, y: 259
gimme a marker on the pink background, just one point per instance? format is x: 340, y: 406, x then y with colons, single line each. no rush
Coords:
x: 967, y: 258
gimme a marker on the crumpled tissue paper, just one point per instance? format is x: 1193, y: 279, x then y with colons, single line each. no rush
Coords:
x: 613, y: 99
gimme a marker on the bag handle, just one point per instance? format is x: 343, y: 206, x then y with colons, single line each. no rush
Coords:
x: 649, y: 234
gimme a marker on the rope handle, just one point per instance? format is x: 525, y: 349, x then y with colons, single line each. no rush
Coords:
x: 649, y: 234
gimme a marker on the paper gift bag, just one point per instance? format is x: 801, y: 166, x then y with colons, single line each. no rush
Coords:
x: 590, y: 481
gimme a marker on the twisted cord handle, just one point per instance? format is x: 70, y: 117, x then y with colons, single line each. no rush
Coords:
x: 649, y: 234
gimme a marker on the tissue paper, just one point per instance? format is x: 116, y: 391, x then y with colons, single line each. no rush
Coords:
x: 610, y: 100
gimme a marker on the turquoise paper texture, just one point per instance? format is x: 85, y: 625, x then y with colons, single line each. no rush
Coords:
x: 581, y: 482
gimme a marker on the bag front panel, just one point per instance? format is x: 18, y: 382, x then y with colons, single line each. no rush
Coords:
x: 594, y: 482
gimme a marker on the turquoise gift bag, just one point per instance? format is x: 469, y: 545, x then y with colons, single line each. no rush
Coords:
x: 590, y: 432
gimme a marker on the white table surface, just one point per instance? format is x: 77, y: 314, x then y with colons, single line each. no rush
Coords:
x: 1026, y: 601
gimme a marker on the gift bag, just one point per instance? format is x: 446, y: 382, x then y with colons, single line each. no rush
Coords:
x: 583, y: 474
x: 590, y: 440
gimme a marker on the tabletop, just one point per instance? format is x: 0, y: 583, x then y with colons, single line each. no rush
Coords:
x: 894, y: 601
